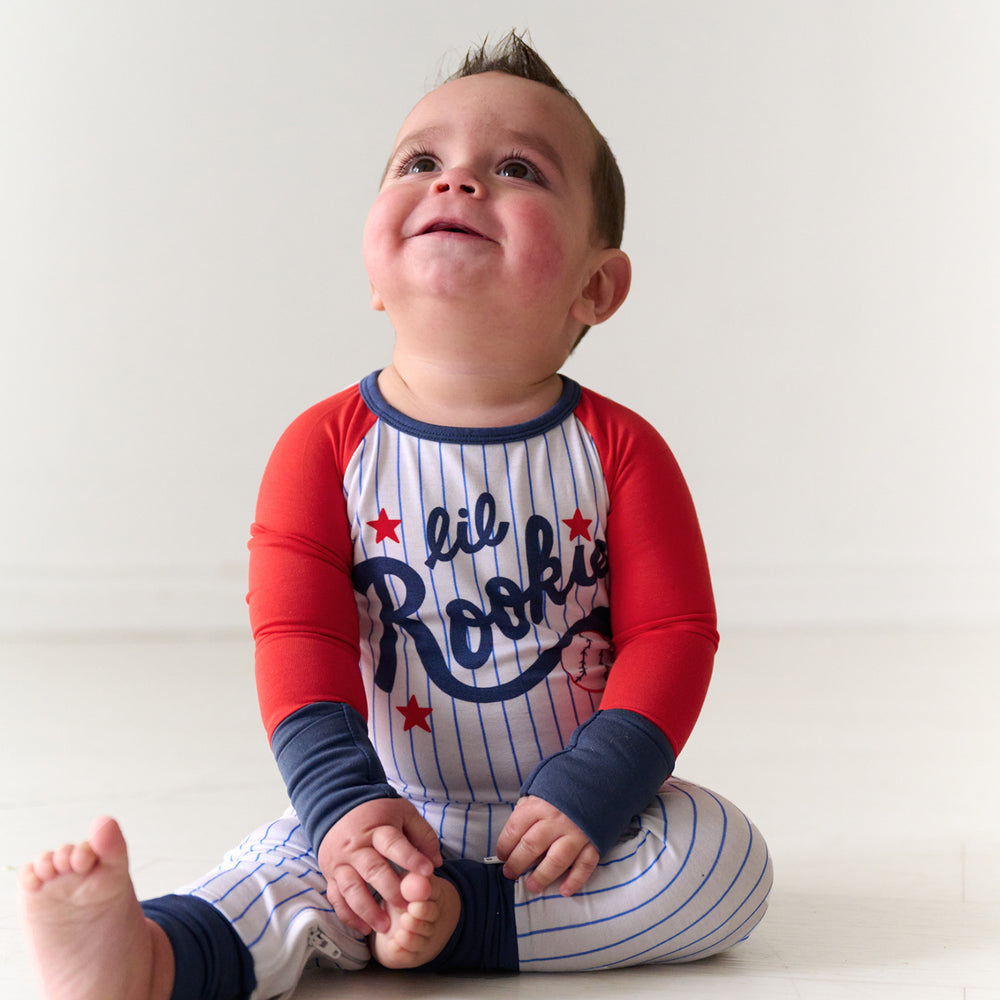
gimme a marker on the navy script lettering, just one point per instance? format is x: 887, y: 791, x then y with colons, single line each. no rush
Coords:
x: 512, y: 609
x: 439, y: 523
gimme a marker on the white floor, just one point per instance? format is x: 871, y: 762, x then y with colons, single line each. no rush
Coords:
x: 869, y: 759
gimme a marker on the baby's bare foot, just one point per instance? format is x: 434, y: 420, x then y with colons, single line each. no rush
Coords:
x: 87, y: 930
x: 419, y: 932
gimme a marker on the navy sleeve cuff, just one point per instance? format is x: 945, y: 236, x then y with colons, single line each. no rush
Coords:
x: 613, y: 766
x: 329, y: 765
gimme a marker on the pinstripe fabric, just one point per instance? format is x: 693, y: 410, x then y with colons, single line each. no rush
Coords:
x: 688, y: 880
x: 481, y: 567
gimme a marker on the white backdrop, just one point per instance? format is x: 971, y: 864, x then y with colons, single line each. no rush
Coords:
x: 813, y: 217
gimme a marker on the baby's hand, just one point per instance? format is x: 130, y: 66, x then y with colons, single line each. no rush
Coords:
x: 539, y: 834
x: 360, y: 851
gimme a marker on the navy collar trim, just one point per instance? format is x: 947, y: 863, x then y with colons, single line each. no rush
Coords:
x: 376, y: 402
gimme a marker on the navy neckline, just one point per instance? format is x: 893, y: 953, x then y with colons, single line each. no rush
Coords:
x: 564, y: 406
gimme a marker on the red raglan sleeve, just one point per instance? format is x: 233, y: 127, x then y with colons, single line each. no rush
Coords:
x: 301, y: 598
x: 662, y: 610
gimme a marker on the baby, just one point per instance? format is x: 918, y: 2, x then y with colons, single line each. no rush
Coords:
x: 483, y: 619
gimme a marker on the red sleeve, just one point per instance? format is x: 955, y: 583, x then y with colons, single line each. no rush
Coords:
x: 662, y: 611
x: 302, y: 605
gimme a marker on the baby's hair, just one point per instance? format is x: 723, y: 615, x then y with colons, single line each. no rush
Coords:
x: 514, y: 56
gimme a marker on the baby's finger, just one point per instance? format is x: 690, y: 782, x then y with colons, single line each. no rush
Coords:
x: 378, y: 873
x: 344, y: 912
x: 524, y: 854
x: 356, y: 898
x: 394, y: 846
x: 421, y: 834
x: 559, y: 859
x: 510, y: 836
x: 584, y: 866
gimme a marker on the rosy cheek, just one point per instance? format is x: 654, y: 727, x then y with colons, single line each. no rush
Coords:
x: 377, y: 231
x: 546, y: 246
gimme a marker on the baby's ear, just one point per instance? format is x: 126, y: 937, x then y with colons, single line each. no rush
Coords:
x: 377, y: 304
x: 606, y: 288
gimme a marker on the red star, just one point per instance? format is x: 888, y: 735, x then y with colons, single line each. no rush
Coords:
x: 414, y: 715
x: 578, y: 525
x: 385, y: 526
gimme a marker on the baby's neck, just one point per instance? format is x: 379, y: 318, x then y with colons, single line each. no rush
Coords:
x: 448, y: 396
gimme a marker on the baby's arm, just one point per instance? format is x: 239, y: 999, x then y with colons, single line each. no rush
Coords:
x: 312, y: 697
x: 577, y: 802
x: 358, y: 824
x: 664, y: 622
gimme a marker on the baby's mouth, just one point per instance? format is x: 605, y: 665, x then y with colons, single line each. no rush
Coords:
x: 451, y: 226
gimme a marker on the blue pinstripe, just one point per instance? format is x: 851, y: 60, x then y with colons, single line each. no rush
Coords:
x: 427, y: 682
x: 517, y: 534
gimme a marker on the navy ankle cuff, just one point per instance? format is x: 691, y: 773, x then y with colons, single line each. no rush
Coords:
x: 211, y: 961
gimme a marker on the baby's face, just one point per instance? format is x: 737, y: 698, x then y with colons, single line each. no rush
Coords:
x: 486, y: 199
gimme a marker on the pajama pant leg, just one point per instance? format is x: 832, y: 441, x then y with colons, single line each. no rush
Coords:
x: 271, y: 891
x: 689, y: 879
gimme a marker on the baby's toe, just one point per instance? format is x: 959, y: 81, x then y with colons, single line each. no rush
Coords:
x: 43, y: 867
x: 423, y: 912
x: 62, y: 859
x: 83, y: 859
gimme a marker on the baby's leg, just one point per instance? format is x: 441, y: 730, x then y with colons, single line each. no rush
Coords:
x: 273, y: 896
x: 691, y: 880
x: 87, y: 930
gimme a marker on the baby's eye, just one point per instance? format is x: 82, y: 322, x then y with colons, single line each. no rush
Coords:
x: 421, y: 164
x: 520, y: 170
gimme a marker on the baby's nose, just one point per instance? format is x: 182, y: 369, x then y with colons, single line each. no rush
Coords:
x: 458, y: 179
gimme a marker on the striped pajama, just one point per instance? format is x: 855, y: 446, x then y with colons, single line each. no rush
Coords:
x: 476, y: 595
